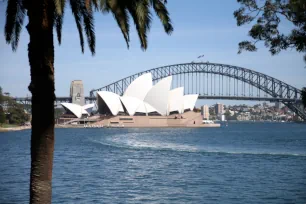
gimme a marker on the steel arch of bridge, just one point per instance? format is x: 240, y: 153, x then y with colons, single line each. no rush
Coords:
x: 277, y: 90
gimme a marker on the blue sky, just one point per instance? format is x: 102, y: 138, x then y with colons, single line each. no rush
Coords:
x: 201, y: 27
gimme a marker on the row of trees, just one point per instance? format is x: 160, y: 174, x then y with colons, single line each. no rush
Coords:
x: 11, y: 112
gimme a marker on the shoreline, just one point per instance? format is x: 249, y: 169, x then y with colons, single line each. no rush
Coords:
x: 20, y: 128
x: 10, y: 129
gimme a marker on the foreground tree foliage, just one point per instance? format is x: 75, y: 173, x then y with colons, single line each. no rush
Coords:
x: 43, y: 17
x: 304, y: 97
x: 11, y: 111
x: 2, y: 114
x: 17, y: 115
x: 1, y: 95
x: 267, y: 16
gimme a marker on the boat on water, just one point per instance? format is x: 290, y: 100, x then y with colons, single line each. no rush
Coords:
x: 208, y: 122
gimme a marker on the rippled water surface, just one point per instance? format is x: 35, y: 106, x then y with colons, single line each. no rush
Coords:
x: 241, y: 163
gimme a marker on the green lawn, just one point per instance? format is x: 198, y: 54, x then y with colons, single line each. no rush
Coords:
x: 8, y: 125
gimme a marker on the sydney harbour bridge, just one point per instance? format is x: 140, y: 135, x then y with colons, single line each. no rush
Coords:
x: 214, y: 81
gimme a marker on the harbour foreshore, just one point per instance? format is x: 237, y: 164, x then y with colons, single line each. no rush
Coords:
x: 18, y: 128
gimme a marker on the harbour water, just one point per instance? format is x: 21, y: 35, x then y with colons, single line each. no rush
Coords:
x: 240, y: 163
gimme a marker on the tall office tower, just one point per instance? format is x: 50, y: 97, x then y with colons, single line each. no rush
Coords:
x: 219, y: 109
x: 77, y: 92
x: 205, y: 112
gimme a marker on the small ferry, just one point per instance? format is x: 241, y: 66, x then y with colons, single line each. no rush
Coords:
x: 208, y: 122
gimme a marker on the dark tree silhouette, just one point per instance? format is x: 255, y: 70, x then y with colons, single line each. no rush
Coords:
x: 267, y: 16
x: 43, y: 16
x: 304, y: 96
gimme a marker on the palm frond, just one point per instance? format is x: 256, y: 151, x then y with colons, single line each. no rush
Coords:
x: 88, y: 4
x: 58, y: 25
x: 120, y: 13
x: 141, y: 15
x: 14, y: 21
x: 59, y: 6
x: 95, y: 3
x: 84, y: 19
x: 76, y: 11
x: 88, y: 21
x: 103, y: 6
x: 163, y: 14
x: 58, y: 18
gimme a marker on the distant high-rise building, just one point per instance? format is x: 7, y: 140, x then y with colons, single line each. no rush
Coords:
x: 205, y: 112
x: 278, y: 105
x: 219, y: 110
x: 77, y: 92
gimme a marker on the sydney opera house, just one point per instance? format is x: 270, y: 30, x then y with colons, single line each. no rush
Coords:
x: 78, y: 111
x: 141, y: 98
x: 142, y: 105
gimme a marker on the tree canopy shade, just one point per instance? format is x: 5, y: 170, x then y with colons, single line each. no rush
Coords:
x: 44, y: 16
x: 267, y: 15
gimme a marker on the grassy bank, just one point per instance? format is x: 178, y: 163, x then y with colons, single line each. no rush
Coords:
x: 8, y: 126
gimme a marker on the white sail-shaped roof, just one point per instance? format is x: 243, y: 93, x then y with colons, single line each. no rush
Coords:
x: 139, y: 87
x: 145, y: 108
x: 141, y: 108
x: 112, y: 100
x: 176, y: 100
x: 88, y: 107
x: 76, y: 109
x: 158, y: 95
x: 149, y: 108
x: 190, y: 101
x: 130, y: 103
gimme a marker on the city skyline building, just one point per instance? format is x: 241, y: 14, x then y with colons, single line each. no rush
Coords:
x: 219, y: 109
x: 205, y: 112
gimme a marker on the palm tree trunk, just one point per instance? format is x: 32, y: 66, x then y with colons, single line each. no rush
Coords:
x: 41, y: 59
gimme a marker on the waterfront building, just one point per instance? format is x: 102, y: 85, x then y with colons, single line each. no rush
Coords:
x: 142, y: 98
x: 142, y: 105
x: 244, y: 116
x: 219, y: 109
x: 77, y: 111
x: 205, y: 112
x: 231, y: 112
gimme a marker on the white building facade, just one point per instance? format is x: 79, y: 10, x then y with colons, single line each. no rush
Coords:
x: 142, y: 98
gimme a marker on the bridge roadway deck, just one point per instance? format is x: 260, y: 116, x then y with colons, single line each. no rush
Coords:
x: 246, y: 98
